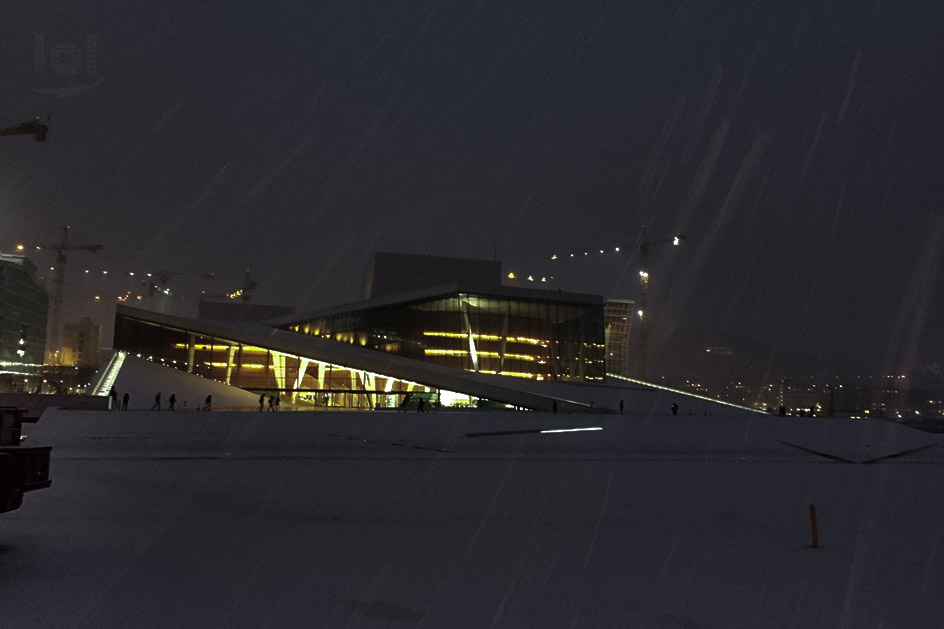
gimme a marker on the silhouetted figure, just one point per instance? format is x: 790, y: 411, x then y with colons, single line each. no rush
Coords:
x: 405, y: 402
x: 674, y: 408
x: 124, y: 402
x: 421, y: 405
x: 113, y: 396
x: 783, y: 410
x: 621, y: 407
x: 271, y: 403
x: 157, y: 403
x: 208, y: 403
x: 278, y: 398
x: 261, y: 401
x: 172, y: 402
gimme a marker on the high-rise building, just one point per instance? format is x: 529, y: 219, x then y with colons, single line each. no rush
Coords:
x: 81, y: 343
x: 24, y: 306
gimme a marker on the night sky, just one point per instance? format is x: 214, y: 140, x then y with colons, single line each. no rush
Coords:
x: 798, y: 145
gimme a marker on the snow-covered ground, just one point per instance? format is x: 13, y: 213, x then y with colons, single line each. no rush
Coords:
x: 388, y: 519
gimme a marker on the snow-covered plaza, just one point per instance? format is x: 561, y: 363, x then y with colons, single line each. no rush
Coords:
x: 325, y: 519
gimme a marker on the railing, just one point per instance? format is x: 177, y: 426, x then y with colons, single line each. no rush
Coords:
x: 108, y: 375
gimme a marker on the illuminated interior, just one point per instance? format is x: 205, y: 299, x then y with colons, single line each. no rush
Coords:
x: 519, y: 336
x: 297, y: 380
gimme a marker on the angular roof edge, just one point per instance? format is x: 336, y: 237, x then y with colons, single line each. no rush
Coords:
x: 442, y: 290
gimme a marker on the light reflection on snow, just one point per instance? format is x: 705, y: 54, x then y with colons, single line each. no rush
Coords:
x: 572, y: 429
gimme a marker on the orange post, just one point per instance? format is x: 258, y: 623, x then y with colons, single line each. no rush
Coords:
x: 813, y: 530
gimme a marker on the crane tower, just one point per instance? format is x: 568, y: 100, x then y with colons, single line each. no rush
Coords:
x: 56, y: 313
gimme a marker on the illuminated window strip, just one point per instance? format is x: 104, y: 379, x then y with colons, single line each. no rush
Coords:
x: 513, y: 374
x: 462, y: 352
x: 459, y: 335
x: 488, y: 337
x: 519, y: 356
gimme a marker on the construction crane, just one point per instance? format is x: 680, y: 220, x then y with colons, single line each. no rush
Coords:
x: 32, y: 127
x: 244, y: 293
x: 60, y: 248
x: 164, y: 277
x: 644, y: 295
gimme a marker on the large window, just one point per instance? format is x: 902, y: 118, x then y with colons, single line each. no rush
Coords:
x: 538, y: 339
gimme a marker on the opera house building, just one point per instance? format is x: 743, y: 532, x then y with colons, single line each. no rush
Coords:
x: 413, y: 338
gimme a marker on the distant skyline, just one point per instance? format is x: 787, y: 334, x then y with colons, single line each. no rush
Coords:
x: 799, y: 147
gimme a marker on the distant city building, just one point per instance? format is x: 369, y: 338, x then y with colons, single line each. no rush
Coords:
x: 24, y: 306
x: 618, y: 323
x: 81, y: 344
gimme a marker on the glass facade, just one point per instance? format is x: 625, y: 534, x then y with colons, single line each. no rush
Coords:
x: 618, y: 316
x: 295, y: 379
x: 23, y: 308
x: 539, y: 339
